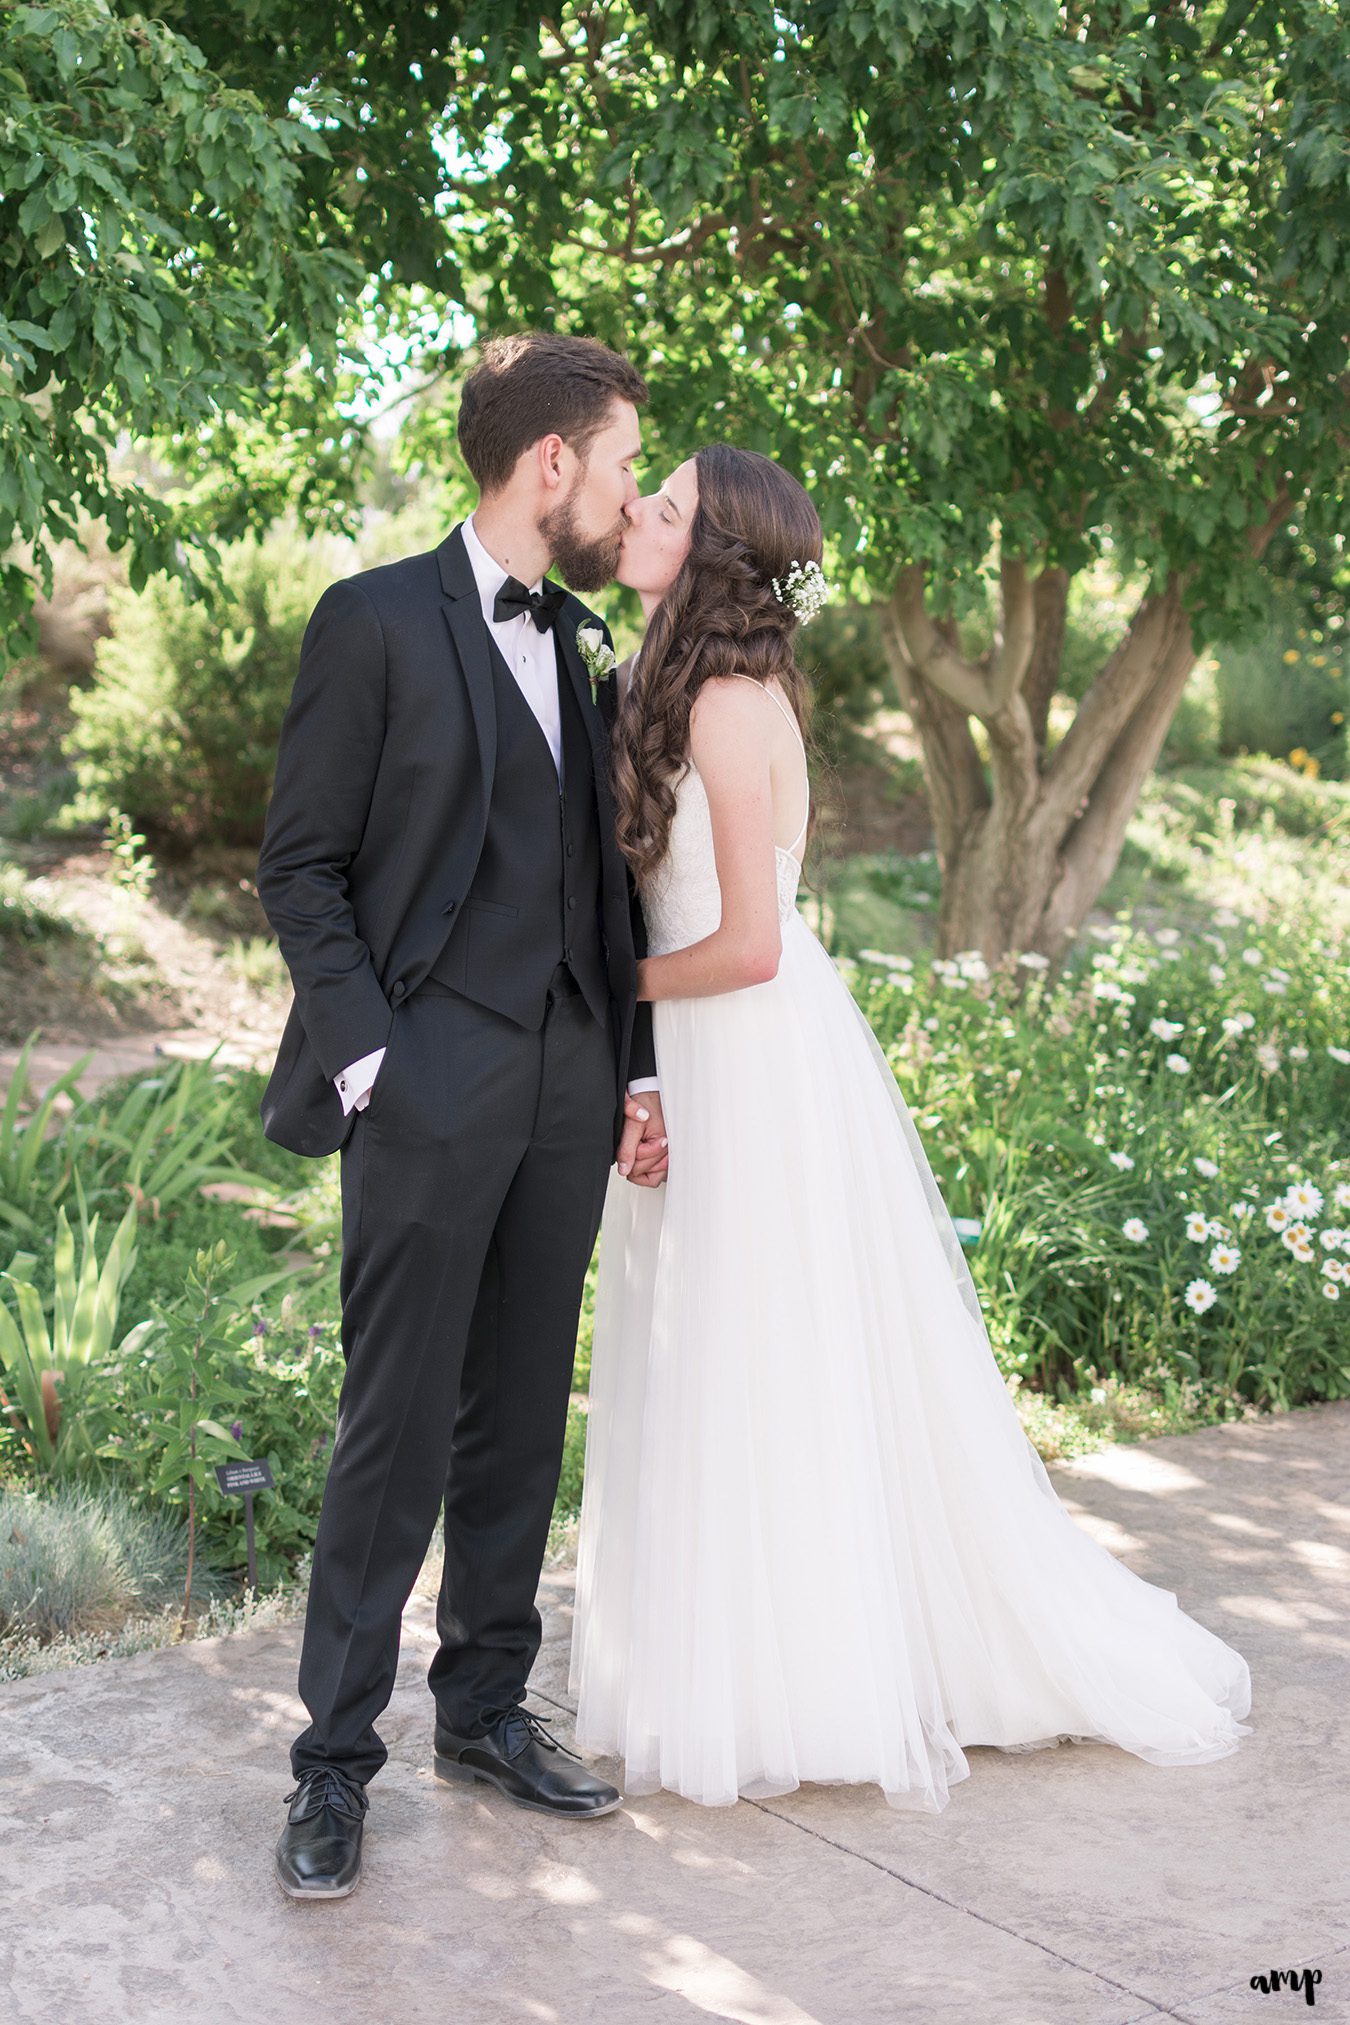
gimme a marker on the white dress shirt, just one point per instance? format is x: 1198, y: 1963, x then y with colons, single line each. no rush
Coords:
x: 530, y: 656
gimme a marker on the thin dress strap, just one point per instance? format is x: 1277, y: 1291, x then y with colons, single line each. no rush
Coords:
x: 791, y: 848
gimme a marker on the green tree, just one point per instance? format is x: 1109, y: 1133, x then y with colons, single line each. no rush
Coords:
x: 1010, y: 289
x: 164, y: 262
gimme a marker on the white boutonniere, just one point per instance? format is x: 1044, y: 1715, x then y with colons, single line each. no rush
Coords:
x: 600, y: 660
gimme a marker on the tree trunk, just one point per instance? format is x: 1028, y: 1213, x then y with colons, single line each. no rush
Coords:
x: 1027, y: 843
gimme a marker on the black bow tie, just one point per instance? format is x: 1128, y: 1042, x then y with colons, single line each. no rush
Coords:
x: 542, y: 606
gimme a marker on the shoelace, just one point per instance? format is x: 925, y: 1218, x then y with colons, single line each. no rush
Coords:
x: 345, y: 1796
x: 536, y: 1727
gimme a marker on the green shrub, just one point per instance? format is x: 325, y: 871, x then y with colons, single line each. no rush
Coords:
x: 1094, y: 1120
x: 1282, y: 691
x: 179, y: 725
x: 274, y: 1383
x: 81, y: 1557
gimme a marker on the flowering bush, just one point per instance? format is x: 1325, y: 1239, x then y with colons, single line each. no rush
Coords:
x: 1155, y: 1142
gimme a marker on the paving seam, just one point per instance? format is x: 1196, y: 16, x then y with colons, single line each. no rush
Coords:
x: 1156, y: 2010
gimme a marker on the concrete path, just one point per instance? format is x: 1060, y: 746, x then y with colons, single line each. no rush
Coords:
x: 139, y: 1801
x: 136, y: 1054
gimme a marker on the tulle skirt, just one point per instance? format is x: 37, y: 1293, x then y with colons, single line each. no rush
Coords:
x: 815, y: 1544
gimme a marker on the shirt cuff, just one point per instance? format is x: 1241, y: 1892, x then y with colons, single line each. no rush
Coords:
x: 354, y: 1084
x: 641, y: 1083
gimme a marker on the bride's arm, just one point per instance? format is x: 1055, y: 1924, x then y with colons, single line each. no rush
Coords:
x: 726, y: 737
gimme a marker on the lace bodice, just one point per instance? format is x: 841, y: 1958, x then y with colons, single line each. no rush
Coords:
x: 683, y: 901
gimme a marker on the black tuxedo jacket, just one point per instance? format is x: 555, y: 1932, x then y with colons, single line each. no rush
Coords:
x: 376, y: 822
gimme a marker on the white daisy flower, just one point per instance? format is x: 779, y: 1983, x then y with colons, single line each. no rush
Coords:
x: 1031, y: 959
x: 1330, y: 1238
x: 1298, y: 1054
x: 1251, y: 956
x: 1268, y: 1055
x: 1274, y: 986
x: 1246, y: 1021
x: 1338, y: 1054
x: 1178, y: 1065
x: 1333, y: 1269
x: 1209, y: 1168
x: 1303, y: 1197
x: 1217, y: 973
x: 1233, y: 1027
x: 1277, y: 1216
x: 932, y: 1023
x: 1135, y: 1229
x: 1166, y: 1030
x: 1303, y: 1252
x: 1332, y: 1292
x: 1121, y: 1160
x: 1200, y: 1296
x: 1219, y: 1230
x: 1342, y: 1195
x: 1225, y: 1259
x: 1240, y: 1211
x: 1197, y: 1227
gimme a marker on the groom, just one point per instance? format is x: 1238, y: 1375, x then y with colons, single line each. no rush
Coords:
x: 440, y: 868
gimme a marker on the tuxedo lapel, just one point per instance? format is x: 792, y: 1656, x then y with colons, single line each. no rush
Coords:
x: 464, y: 617
x: 566, y: 630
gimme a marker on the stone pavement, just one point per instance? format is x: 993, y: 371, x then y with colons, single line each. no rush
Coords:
x: 139, y: 1800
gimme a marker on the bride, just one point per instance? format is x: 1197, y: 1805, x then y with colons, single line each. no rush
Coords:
x: 815, y: 1544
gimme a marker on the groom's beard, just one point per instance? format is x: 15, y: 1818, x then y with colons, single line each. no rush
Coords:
x: 585, y: 562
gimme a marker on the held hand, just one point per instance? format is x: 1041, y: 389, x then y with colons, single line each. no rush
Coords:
x: 651, y: 1161
x: 637, y: 1115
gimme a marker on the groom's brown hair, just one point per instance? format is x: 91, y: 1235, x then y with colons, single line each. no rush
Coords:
x: 537, y: 384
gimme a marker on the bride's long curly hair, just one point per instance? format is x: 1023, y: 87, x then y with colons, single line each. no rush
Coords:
x: 719, y: 617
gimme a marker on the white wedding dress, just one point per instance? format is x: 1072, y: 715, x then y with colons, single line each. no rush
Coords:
x: 815, y: 1544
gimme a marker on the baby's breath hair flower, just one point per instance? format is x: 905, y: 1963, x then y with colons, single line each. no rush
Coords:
x: 804, y: 589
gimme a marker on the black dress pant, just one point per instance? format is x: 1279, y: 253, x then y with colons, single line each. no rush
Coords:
x: 472, y: 1186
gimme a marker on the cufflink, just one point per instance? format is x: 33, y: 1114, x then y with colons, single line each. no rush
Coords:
x: 342, y: 1082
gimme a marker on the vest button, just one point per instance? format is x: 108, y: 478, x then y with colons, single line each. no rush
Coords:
x: 399, y: 988
x: 572, y: 901
x: 571, y: 850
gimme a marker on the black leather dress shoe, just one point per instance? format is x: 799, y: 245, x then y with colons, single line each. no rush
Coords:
x: 520, y: 1757
x: 319, y: 1853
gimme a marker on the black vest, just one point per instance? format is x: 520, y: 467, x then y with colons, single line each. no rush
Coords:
x: 535, y: 897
